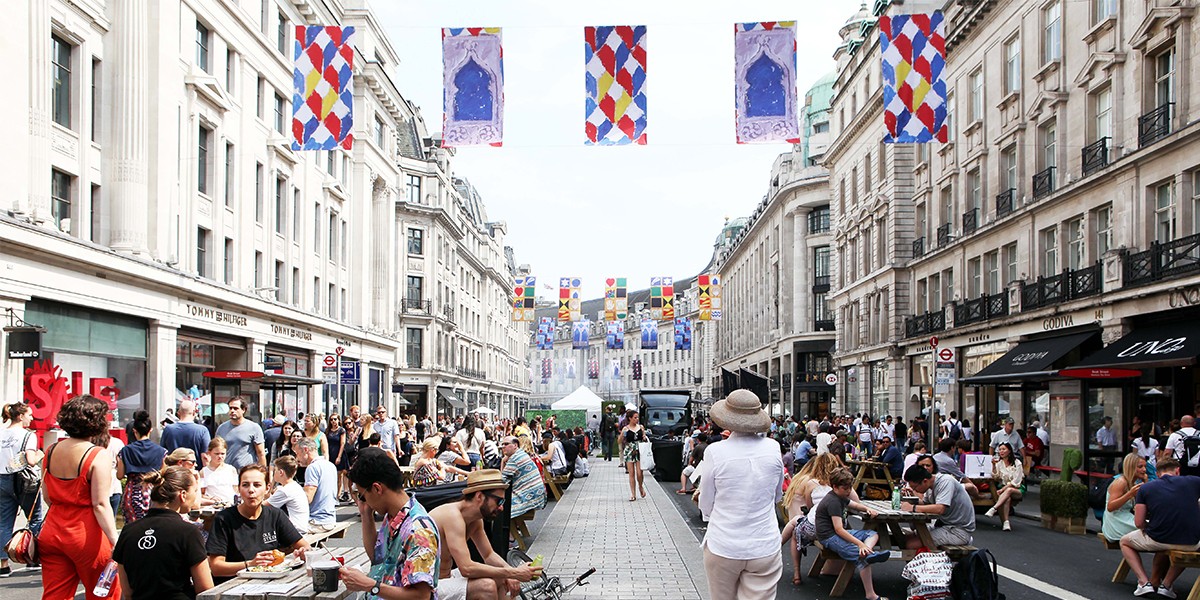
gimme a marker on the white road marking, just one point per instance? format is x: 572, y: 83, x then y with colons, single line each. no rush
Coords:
x: 1037, y: 584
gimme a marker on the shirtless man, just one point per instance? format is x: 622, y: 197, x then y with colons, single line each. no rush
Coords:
x: 493, y: 579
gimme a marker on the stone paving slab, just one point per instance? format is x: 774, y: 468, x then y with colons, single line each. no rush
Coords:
x: 640, y: 549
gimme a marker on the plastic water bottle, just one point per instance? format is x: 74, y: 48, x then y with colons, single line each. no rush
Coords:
x: 537, y: 561
x: 896, y: 498
x: 105, y: 583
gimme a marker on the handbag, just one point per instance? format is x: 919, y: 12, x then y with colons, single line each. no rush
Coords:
x: 647, y: 455
x: 28, y: 475
x: 23, y: 546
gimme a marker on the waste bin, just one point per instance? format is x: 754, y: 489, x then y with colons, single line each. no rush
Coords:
x: 668, y: 459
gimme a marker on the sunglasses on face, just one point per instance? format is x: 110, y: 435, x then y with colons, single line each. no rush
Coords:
x: 498, y: 499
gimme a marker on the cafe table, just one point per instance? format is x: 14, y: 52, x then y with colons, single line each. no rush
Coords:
x: 867, y: 471
x: 295, y: 585
x: 889, y: 524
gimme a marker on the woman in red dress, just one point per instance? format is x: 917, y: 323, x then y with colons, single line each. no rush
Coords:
x: 77, y: 537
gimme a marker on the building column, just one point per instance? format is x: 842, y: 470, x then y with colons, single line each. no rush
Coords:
x: 160, y: 368
x: 37, y: 205
x: 382, y: 217
x: 126, y: 149
x: 802, y: 274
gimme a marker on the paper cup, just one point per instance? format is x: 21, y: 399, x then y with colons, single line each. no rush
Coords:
x: 325, y: 576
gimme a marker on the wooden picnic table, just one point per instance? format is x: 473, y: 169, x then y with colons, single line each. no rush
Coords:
x: 866, y: 471
x: 295, y: 585
x: 889, y: 525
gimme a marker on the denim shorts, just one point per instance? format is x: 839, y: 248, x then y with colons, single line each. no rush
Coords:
x: 846, y: 550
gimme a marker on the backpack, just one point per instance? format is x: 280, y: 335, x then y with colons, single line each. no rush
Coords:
x: 955, y: 430
x: 1191, y: 450
x: 1098, y: 494
x: 975, y: 577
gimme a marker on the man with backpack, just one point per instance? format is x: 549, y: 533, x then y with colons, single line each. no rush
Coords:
x: 1184, y: 446
x: 1168, y: 518
x: 952, y: 428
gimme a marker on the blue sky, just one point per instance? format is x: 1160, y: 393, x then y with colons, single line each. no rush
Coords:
x: 629, y: 211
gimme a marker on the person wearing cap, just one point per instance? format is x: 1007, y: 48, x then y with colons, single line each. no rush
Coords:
x: 405, y: 548
x: 460, y: 576
x: 839, y: 447
x: 738, y: 494
x: 272, y: 431
x: 886, y: 452
x: 1007, y: 435
x: 186, y: 433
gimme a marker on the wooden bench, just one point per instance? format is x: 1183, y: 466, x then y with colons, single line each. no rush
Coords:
x: 553, y: 484
x: 957, y: 552
x: 1122, y: 568
x: 520, y: 530
x: 337, y: 532
x: 844, y: 575
x: 1187, y: 559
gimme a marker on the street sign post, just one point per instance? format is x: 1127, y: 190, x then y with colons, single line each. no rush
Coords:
x: 351, y: 373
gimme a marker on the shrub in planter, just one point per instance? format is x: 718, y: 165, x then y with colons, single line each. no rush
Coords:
x: 1064, y: 499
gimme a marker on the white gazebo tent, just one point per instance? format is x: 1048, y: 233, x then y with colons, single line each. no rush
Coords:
x: 581, y: 399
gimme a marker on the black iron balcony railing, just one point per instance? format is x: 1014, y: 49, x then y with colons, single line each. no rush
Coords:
x: 923, y: 324
x: 970, y: 221
x: 981, y: 309
x: 918, y: 247
x: 1095, y: 156
x: 943, y: 234
x: 1155, y: 125
x: 470, y: 373
x: 1043, y: 183
x: 823, y: 325
x: 1056, y: 289
x: 1005, y: 203
x: 416, y: 305
x: 448, y: 312
x: 1164, y: 260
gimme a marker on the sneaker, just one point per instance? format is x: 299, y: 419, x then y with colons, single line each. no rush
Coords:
x: 1166, y: 592
x: 5, y: 571
x: 1143, y: 589
x: 34, y: 567
x: 1006, y: 526
x: 878, y: 557
x: 991, y: 512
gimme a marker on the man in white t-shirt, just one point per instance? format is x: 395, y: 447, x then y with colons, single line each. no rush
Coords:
x: 1175, y: 443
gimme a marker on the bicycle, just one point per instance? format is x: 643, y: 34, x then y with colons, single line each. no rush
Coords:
x: 544, y: 587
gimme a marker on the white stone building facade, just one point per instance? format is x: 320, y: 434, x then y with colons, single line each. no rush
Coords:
x: 160, y: 228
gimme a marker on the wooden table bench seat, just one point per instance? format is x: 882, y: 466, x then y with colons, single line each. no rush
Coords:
x: 1188, y: 560
x: 957, y: 552
x: 337, y: 532
x: 297, y: 581
x: 1122, y: 571
x: 520, y: 529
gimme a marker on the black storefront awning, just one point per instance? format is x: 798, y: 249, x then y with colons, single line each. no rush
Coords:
x: 1172, y: 344
x: 1033, y: 359
x: 448, y: 395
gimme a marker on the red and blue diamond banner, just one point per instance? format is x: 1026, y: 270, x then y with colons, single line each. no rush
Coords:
x: 615, y: 81
x: 323, y: 88
x: 545, y: 334
x: 615, y: 338
x: 683, y: 333
x: 914, y: 92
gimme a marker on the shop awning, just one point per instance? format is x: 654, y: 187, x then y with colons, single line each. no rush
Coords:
x: 1172, y: 344
x: 278, y: 381
x: 1030, y: 360
x: 447, y: 394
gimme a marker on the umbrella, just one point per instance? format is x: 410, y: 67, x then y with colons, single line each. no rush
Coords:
x: 483, y: 410
x: 630, y: 406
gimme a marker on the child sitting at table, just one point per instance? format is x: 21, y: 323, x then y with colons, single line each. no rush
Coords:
x: 854, y: 545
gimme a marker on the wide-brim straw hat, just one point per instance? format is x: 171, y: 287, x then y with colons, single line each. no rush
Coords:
x: 484, y: 479
x: 741, y: 412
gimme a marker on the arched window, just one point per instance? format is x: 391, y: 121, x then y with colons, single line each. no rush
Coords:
x: 473, y: 96
x: 765, y: 95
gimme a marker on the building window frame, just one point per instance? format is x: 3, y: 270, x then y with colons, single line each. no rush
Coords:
x: 62, y: 57
x: 62, y: 188
x: 975, y: 80
x: 1052, y: 32
x: 416, y: 241
x: 1012, y: 65
x: 1076, y: 243
x: 203, y: 252
x: 203, y: 45
x: 1048, y: 238
x: 204, y: 137
x: 1166, y: 211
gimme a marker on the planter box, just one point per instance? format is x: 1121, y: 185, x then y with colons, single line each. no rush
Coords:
x: 1068, y: 525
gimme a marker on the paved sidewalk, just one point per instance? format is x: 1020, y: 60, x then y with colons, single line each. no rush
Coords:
x: 640, y: 549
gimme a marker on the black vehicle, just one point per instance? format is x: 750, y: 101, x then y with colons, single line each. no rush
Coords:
x: 666, y: 413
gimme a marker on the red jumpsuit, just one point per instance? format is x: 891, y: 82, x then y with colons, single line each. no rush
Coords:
x: 72, y: 545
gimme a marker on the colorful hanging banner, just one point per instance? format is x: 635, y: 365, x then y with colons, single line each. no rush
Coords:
x: 473, y: 83
x: 616, y: 300
x: 914, y: 92
x: 570, y: 369
x: 615, y: 339
x: 593, y: 368
x: 662, y: 298
x: 545, y: 334
x: 579, y: 334
x: 568, y: 299
x: 615, y: 81
x: 710, y: 297
x: 764, y: 56
x: 547, y: 369
x: 683, y: 333
x: 649, y: 334
x: 523, y: 299
x: 615, y: 368
x: 637, y: 369
x: 323, y: 88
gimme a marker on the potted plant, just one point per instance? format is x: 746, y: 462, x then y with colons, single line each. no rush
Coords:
x: 1064, y: 506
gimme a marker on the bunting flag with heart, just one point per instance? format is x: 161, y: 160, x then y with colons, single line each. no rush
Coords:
x: 323, y: 88
x: 710, y: 297
x: 615, y: 82
x: 764, y: 57
x: 616, y: 299
x: 524, y: 300
x: 473, y: 86
x: 913, y: 48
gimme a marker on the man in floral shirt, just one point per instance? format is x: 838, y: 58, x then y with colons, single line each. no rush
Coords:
x: 404, y: 550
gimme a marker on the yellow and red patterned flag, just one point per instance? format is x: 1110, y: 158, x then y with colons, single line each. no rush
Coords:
x: 710, y: 297
x: 568, y: 299
x: 662, y: 298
